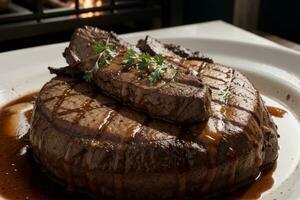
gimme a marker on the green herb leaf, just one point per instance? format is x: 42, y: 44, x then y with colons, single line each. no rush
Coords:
x: 88, y: 76
x: 106, y: 53
x: 156, y: 75
x: 129, y: 54
x: 103, y: 61
x: 99, y: 47
x: 155, y: 65
x: 225, y: 96
x: 110, y: 52
x: 159, y: 59
x: 129, y: 58
x: 145, y: 60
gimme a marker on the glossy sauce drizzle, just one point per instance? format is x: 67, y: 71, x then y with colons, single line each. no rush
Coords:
x: 276, y: 112
x: 21, y: 178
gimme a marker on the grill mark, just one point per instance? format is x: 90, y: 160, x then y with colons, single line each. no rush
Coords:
x: 239, y: 108
x: 108, y: 119
x: 231, y: 78
x: 236, y: 86
x: 218, y: 70
x: 51, y: 98
x: 74, y: 83
x: 62, y: 98
x: 215, y: 78
x: 235, y: 123
x: 214, y: 67
x: 212, y: 87
x: 83, y: 109
x: 253, y: 92
x: 87, y: 110
x: 235, y: 94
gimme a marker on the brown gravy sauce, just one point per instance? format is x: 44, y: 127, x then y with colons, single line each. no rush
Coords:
x: 276, y: 112
x: 21, y: 178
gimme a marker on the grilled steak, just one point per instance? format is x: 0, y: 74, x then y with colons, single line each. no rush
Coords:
x: 178, y: 96
x: 94, y: 143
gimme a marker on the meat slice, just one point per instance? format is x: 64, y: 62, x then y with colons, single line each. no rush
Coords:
x: 174, y: 53
x: 178, y: 96
x: 233, y: 96
x: 93, y: 143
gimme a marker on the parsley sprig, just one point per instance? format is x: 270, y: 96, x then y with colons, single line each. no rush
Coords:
x: 155, y: 66
x: 105, y: 54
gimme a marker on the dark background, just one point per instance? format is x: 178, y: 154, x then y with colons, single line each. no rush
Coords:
x: 278, y: 17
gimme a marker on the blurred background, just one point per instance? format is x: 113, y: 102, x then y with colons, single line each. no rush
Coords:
x: 26, y: 23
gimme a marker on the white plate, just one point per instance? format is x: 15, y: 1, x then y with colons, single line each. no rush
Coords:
x: 275, y: 72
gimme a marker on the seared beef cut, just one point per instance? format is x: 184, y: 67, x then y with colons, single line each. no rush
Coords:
x: 94, y: 143
x: 178, y: 97
x: 178, y: 52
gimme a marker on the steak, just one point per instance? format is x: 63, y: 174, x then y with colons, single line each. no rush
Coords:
x: 178, y: 97
x: 94, y: 143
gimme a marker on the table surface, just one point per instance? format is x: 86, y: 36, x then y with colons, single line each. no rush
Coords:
x: 281, y: 41
x: 219, y: 30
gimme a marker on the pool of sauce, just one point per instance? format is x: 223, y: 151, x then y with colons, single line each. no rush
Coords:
x: 22, y: 178
x: 276, y: 112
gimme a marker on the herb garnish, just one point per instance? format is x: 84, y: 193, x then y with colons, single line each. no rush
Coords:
x: 155, y: 66
x: 105, y: 54
x: 159, y: 59
x: 129, y: 58
x: 145, y: 60
x: 99, y: 47
x: 225, y: 96
x: 157, y: 74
